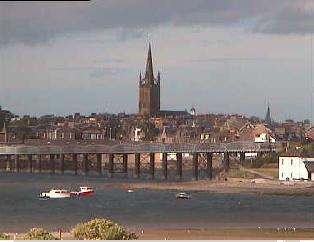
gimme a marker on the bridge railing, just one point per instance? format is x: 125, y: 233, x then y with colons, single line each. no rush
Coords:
x: 142, y: 148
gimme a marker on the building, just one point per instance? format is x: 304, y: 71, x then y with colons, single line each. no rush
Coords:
x: 267, y: 117
x: 296, y: 168
x: 149, y: 89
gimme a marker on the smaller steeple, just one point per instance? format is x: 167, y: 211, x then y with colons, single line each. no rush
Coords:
x: 268, y: 117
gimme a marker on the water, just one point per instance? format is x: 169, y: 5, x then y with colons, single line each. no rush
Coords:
x: 20, y: 208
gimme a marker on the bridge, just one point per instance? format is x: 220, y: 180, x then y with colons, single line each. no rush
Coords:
x: 92, y: 156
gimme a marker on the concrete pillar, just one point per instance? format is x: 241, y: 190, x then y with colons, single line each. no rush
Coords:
x: 209, y: 165
x: 52, y: 164
x: 152, y: 165
x: 39, y: 163
x: 179, y: 166
x: 164, y: 166
x: 8, y: 166
x: 85, y: 164
x: 226, y: 161
x: 195, y: 166
x: 99, y: 168
x: 125, y: 165
x: 242, y: 157
x: 74, y: 158
x: 30, y: 163
x: 137, y: 165
x: 16, y: 163
x: 111, y: 164
x: 62, y: 163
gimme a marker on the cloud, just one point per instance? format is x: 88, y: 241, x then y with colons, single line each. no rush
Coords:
x: 36, y: 22
x: 94, y: 72
x: 228, y: 59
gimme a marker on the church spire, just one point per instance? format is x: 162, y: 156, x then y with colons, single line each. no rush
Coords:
x: 149, y: 74
x: 268, y: 118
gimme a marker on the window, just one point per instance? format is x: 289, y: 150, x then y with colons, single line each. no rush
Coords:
x: 291, y: 174
x: 291, y: 161
x: 282, y: 161
x: 282, y: 174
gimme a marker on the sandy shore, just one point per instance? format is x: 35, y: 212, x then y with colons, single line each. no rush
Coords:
x: 233, y: 185
x: 207, y: 234
x: 212, y: 234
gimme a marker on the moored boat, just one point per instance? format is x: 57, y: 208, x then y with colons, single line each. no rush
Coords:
x: 183, y: 195
x: 55, y: 193
x: 84, y: 191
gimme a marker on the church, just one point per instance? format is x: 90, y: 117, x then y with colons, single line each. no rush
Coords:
x: 149, y: 93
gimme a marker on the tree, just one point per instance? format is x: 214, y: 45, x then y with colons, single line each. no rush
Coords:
x: 101, y: 229
x: 39, y: 234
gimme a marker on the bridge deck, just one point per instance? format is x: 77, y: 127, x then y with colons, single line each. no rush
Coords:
x: 140, y: 148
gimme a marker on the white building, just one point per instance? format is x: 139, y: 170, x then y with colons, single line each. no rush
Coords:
x: 263, y: 138
x: 296, y: 168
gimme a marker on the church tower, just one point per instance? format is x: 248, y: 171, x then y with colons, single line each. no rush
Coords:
x: 149, y: 89
x: 268, y: 118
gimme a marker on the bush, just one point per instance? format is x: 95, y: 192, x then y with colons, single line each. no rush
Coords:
x: 4, y: 236
x: 39, y: 234
x: 101, y: 229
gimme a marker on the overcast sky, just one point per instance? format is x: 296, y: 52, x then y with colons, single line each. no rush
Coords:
x: 221, y: 56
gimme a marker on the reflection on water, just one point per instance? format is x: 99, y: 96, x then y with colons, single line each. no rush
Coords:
x: 21, y: 209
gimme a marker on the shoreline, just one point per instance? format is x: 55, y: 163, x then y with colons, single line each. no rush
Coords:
x: 206, y: 234
x: 232, y: 186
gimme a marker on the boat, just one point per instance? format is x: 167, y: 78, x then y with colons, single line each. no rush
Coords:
x: 130, y: 191
x: 84, y: 191
x: 183, y: 195
x: 55, y: 193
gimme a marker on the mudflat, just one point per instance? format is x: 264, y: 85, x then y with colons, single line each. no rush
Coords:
x: 233, y: 185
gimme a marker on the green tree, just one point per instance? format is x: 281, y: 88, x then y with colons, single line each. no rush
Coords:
x: 4, y: 236
x: 101, y: 229
x: 39, y: 234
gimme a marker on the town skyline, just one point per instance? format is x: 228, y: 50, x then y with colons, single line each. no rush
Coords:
x: 210, y: 63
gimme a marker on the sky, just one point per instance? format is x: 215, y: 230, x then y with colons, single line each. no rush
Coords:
x: 219, y: 56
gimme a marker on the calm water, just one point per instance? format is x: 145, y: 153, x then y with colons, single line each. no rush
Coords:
x: 20, y: 208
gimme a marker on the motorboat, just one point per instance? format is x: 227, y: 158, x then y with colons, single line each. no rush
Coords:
x: 183, y: 195
x: 84, y: 191
x: 130, y: 191
x: 55, y: 193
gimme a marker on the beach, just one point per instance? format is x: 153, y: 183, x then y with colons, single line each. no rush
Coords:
x: 206, y: 234
x: 232, y: 185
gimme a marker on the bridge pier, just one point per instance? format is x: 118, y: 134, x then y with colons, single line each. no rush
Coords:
x: 74, y: 159
x: 209, y: 165
x: 195, y: 166
x: 30, y: 163
x: 98, y: 167
x: 111, y: 165
x: 152, y: 165
x: 62, y: 164
x: 85, y: 164
x: 8, y: 163
x: 125, y: 164
x: 164, y: 166
x: 38, y: 163
x: 52, y: 164
x: 137, y: 165
x: 242, y: 157
x: 16, y: 163
x: 226, y: 161
x: 179, y: 166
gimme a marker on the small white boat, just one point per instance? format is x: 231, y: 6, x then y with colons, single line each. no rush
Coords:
x: 84, y: 191
x: 55, y: 193
x: 130, y: 191
x: 183, y: 195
